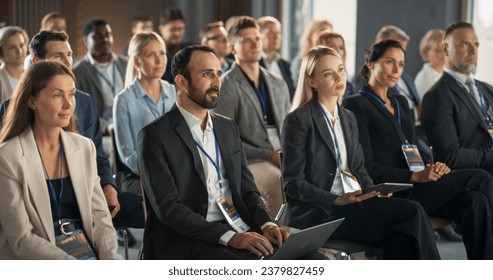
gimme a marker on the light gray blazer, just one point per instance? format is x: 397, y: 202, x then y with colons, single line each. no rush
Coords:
x: 26, y: 225
x: 239, y: 101
x: 88, y: 81
x: 5, y: 89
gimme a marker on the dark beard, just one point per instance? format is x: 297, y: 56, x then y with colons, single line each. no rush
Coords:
x: 201, y: 99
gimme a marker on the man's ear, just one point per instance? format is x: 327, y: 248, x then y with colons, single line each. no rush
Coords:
x: 181, y: 82
x: 445, y: 48
x: 35, y: 59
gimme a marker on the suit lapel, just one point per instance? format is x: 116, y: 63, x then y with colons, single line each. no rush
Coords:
x: 79, y: 178
x: 383, y: 110
x: 460, y: 92
x: 348, y: 136
x: 276, y: 104
x: 183, y: 131
x: 247, y: 90
x: 222, y: 138
x: 36, y: 182
x: 321, y: 125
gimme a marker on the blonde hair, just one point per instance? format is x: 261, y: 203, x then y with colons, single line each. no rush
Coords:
x: 315, y: 27
x: 304, y: 93
x: 426, y: 43
x: 137, y: 44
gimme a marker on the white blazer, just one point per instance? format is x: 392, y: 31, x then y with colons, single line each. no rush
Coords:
x: 26, y: 225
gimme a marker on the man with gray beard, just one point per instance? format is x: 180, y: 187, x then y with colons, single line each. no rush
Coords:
x: 457, y: 112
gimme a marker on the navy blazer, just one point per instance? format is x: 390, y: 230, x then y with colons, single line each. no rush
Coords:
x: 88, y: 126
x: 455, y: 127
x: 175, y: 186
x: 309, y: 163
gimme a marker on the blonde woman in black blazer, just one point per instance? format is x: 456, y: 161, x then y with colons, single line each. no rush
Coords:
x: 311, y: 173
x: 385, y: 124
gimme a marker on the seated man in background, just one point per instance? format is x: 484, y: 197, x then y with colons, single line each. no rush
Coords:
x: 257, y: 101
x: 215, y: 36
x: 203, y: 200
x: 271, y: 35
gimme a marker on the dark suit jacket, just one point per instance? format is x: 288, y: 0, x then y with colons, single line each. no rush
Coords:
x: 88, y: 126
x: 454, y: 126
x: 310, y: 164
x: 173, y: 177
x: 286, y: 74
x: 381, y: 137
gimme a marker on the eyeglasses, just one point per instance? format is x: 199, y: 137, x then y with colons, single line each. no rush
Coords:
x: 219, y: 38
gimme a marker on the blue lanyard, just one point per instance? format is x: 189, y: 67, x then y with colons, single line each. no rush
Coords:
x: 216, y: 163
x: 58, y: 201
x: 377, y: 98
x: 483, y: 106
x: 111, y: 84
x: 262, y: 97
x: 338, y: 154
x: 397, y: 106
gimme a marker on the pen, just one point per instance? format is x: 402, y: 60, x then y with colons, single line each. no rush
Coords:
x: 431, y: 152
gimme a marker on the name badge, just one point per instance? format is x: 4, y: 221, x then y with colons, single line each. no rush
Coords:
x: 232, y: 216
x: 349, y: 182
x: 76, y: 244
x: 413, y: 158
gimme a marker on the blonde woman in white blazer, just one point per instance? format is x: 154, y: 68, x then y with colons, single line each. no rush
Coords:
x: 38, y: 146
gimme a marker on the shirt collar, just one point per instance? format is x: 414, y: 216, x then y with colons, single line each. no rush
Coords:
x: 459, y: 77
x: 336, y: 112
x: 193, y: 121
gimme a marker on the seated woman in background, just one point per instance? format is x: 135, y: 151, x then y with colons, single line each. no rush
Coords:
x: 50, y: 190
x: 145, y: 98
x: 324, y: 170
x: 336, y: 41
x: 431, y: 51
x: 13, y: 51
x: 386, y: 133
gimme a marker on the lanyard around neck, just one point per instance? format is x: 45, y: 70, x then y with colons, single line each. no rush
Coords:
x: 111, y: 84
x: 338, y: 154
x: 484, y: 109
x: 56, y: 200
x: 215, y: 163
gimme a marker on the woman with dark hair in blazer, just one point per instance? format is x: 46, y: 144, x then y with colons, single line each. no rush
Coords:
x: 51, y: 203
x: 324, y: 170
x: 386, y: 129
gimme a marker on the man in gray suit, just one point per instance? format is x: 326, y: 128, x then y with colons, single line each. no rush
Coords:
x: 257, y: 101
x: 101, y: 72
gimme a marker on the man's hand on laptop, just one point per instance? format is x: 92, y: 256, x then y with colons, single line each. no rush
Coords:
x: 275, y: 234
x: 253, y: 242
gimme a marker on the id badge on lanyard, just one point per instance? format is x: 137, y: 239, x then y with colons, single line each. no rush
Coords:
x: 273, y: 136
x: 349, y: 182
x: 229, y: 211
x: 413, y: 158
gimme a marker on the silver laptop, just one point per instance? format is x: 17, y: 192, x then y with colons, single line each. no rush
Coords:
x: 299, y: 244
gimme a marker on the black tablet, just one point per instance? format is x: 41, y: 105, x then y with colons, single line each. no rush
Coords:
x: 385, y: 188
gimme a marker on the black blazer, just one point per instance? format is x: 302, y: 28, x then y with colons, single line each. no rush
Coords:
x: 455, y: 127
x: 174, y: 181
x: 381, y: 137
x: 286, y: 74
x: 310, y: 164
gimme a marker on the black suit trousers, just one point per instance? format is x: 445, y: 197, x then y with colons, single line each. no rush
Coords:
x: 393, y: 223
x: 465, y: 196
